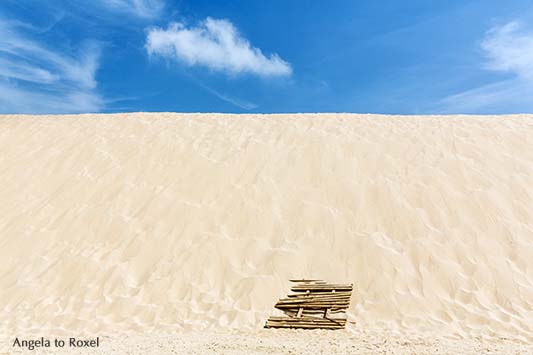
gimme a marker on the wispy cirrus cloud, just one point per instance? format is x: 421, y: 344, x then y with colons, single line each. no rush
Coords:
x: 235, y: 101
x: 141, y: 8
x: 215, y: 44
x: 35, y: 78
x: 508, y: 49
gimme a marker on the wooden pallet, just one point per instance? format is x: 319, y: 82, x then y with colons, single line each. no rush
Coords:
x: 312, y: 304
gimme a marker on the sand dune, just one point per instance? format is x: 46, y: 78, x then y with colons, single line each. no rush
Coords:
x: 143, y: 222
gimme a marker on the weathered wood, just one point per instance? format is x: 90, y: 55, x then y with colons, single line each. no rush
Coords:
x: 306, y: 322
x: 304, y: 326
x: 312, y: 304
x: 307, y: 312
x: 313, y: 312
x: 305, y: 296
x: 308, y: 281
x: 305, y: 284
x: 313, y: 299
x: 302, y: 295
x: 321, y: 288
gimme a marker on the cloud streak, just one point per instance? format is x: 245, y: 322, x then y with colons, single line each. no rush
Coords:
x: 508, y: 49
x: 217, y: 45
x: 242, y: 104
x: 146, y: 9
x: 37, y: 79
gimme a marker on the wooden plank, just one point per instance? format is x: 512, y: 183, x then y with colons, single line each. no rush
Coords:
x: 303, y: 326
x: 321, y: 290
x: 299, y: 321
x: 315, y: 300
x: 311, y: 303
x: 307, y: 322
x: 308, y: 281
x: 313, y: 307
x: 320, y: 287
x: 316, y: 288
x: 313, y: 294
x: 327, y: 284
x: 304, y: 302
x: 317, y: 306
x: 308, y: 303
x: 309, y: 312
x: 307, y: 296
x: 308, y: 319
x: 318, y: 294
x: 323, y: 325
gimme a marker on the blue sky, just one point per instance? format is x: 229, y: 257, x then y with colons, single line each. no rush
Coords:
x: 374, y: 56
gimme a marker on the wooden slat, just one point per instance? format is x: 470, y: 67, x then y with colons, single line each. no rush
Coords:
x: 308, y: 304
x: 304, y: 303
x: 307, y: 319
x: 306, y: 291
x: 304, y: 326
x: 305, y: 312
x: 316, y: 306
x: 291, y: 312
x: 315, y: 302
x: 308, y: 281
x: 327, y: 298
x: 313, y: 299
x: 312, y: 294
x: 305, y: 322
x: 325, y: 304
x: 321, y: 288
x: 319, y: 294
x: 326, y: 284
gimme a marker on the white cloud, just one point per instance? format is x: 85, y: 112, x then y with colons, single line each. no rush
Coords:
x: 37, y: 79
x: 508, y: 49
x: 22, y: 71
x: 215, y: 44
x: 14, y: 99
x: 140, y: 8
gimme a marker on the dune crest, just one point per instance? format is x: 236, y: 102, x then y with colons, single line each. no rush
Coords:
x: 168, y: 221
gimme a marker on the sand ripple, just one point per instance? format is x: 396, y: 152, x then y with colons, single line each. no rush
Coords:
x: 165, y: 221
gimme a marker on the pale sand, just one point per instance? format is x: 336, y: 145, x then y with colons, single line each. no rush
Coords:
x: 177, y: 227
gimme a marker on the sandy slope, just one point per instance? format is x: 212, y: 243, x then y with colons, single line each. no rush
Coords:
x: 145, y: 222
